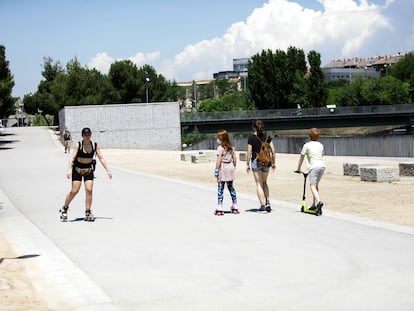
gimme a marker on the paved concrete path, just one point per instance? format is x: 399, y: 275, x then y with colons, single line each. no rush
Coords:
x: 156, y: 245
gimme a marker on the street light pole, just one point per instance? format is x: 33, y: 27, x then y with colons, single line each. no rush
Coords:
x: 146, y: 86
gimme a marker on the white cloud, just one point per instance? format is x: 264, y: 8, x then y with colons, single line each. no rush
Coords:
x: 101, y: 61
x: 340, y: 30
x: 141, y: 59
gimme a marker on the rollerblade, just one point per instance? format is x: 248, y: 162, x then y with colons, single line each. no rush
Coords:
x: 218, y: 213
x: 64, y: 213
x: 89, y: 216
x: 219, y: 210
x: 234, y: 209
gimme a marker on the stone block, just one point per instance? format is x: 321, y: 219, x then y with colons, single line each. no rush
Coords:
x: 186, y: 156
x: 379, y: 173
x: 406, y: 168
x: 242, y: 156
x: 211, y: 155
x: 199, y: 158
x: 354, y: 169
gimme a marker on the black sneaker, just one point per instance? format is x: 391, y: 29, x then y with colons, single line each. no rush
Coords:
x: 319, y: 205
x: 262, y: 208
x: 312, y: 208
x: 268, y: 207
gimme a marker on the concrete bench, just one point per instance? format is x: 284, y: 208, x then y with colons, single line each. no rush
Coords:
x: 199, y: 158
x: 406, y: 168
x: 186, y: 156
x: 379, y: 173
x: 205, y: 156
x: 353, y: 169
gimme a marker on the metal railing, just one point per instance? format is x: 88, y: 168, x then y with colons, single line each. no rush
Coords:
x: 268, y: 114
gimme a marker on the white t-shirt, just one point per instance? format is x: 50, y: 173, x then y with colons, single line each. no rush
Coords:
x: 313, y: 151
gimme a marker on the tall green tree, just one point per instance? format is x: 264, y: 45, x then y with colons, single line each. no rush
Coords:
x: 265, y: 75
x: 43, y: 100
x: 6, y: 85
x: 124, y: 78
x: 317, y: 87
x: 273, y: 77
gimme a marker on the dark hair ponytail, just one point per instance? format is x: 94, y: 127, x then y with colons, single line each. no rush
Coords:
x: 258, y: 125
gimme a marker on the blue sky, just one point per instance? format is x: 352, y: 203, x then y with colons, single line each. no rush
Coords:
x: 186, y: 40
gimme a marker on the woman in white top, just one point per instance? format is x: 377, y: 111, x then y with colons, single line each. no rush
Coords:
x: 314, y: 151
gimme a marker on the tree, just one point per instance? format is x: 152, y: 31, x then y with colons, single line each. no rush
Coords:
x: 273, y: 77
x: 230, y: 102
x: 385, y: 90
x: 174, y: 92
x: 157, y: 85
x: 404, y: 71
x: 43, y: 100
x: 124, y: 78
x: 265, y: 75
x: 317, y: 88
x: 6, y: 85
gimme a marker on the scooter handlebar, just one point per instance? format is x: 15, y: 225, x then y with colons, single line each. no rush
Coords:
x: 300, y: 172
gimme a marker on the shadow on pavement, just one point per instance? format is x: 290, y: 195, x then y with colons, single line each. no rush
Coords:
x: 20, y: 257
x: 83, y: 219
x: 256, y: 210
x: 4, y: 142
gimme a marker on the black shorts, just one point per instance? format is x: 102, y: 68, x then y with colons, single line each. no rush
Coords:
x: 78, y: 177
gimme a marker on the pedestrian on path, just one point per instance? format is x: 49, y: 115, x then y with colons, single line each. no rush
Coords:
x: 81, y: 167
x: 314, y: 151
x: 225, y: 171
x: 67, y: 140
x: 256, y: 141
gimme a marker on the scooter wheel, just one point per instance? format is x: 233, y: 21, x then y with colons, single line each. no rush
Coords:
x: 302, y: 209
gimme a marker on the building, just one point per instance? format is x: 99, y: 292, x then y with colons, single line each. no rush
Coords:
x: 239, y: 70
x: 347, y: 69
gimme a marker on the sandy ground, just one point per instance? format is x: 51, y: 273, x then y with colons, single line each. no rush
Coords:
x: 383, y: 201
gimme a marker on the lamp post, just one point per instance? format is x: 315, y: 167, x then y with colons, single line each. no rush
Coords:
x: 146, y: 86
x: 386, y: 69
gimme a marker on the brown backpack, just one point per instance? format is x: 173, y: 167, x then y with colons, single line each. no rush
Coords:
x: 264, y: 156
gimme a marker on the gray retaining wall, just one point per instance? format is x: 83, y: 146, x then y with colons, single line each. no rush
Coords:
x: 128, y: 126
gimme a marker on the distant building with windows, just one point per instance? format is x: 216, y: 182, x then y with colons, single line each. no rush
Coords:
x: 239, y: 70
x: 347, y: 69
x: 343, y: 69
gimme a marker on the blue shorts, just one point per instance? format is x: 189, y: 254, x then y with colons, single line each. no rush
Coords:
x: 259, y: 168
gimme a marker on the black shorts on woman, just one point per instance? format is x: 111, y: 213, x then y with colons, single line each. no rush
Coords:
x: 80, y: 170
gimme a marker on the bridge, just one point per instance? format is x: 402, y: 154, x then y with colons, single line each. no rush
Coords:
x: 293, y: 119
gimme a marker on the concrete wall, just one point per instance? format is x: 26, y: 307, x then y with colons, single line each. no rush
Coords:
x: 128, y: 126
x: 378, y: 146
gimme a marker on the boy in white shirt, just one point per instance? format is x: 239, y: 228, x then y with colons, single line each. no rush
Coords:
x: 314, y: 151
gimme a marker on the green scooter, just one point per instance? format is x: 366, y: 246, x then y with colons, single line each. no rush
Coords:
x: 304, y: 209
